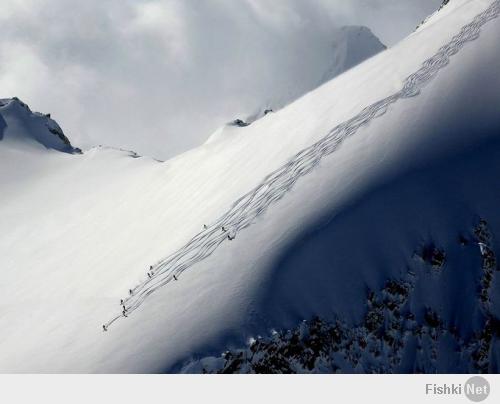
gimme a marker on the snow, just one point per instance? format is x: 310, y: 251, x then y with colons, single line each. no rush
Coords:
x: 19, y: 126
x: 350, y: 46
x: 77, y: 231
x: 158, y: 78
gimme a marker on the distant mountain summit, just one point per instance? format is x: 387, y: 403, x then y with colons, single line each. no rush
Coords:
x: 22, y: 127
x: 351, y: 46
x: 354, y: 45
x: 356, y: 230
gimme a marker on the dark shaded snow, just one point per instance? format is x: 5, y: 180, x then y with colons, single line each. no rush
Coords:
x: 368, y: 207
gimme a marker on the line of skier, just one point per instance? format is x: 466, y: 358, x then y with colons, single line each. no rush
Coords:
x: 150, y: 274
x: 224, y: 230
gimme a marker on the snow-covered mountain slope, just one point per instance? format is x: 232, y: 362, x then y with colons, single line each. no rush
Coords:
x: 21, y: 127
x: 351, y: 46
x: 383, y: 179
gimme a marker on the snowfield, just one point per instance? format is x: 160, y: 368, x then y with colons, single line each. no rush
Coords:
x: 382, y: 174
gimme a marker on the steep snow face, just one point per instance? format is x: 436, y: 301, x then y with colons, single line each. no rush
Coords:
x: 351, y: 46
x: 21, y: 127
x: 369, y: 179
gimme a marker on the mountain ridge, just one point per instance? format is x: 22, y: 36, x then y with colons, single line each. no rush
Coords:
x: 20, y: 125
x: 405, y: 195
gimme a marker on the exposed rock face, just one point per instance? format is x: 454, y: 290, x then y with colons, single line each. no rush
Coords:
x: 392, y: 338
x: 443, y: 4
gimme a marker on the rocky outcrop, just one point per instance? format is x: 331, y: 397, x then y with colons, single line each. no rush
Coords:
x: 393, y: 337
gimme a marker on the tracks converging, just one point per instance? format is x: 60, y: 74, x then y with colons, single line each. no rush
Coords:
x: 275, y: 185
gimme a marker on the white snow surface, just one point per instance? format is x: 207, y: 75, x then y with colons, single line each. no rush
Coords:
x: 77, y: 231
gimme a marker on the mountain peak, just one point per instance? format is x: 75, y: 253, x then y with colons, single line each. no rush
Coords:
x: 21, y: 126
x: 354, y: 45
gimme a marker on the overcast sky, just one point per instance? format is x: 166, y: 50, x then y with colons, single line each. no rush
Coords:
x: 158, y: 77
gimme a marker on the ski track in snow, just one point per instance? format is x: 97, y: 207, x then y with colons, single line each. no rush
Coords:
x: 274, y: 187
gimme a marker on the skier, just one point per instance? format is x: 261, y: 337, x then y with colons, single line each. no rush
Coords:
x: 205, y: 227
x: 124, y: 309
x: 151, y: 267
x: 130, y: 292
x: 104, y: 328
x: 121, y: 302
x: 124, y: 313
x: 223, y: 229
x: 230, y: 238
x: 175, y: 277
x: 240, y: 123
x: 149, y: 275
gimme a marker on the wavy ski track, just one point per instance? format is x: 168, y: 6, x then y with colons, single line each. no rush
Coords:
x: 274, y: 187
